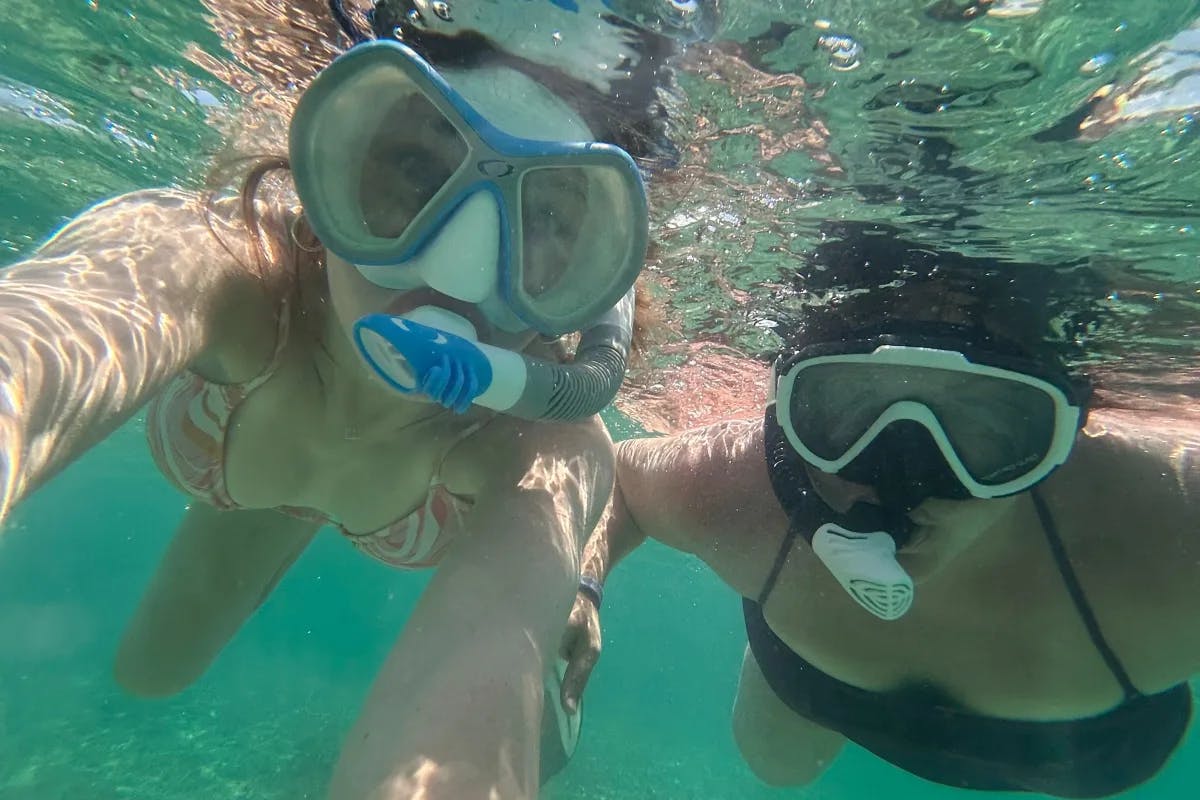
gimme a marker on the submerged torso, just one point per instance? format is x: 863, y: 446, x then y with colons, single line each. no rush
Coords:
x: 285, y: 439
x: 996, y: 628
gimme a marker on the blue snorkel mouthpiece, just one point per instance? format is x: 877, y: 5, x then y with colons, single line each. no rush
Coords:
x: 414, y: 358
x: 434, y: 352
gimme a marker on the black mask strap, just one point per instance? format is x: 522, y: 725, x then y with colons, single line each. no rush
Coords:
x: 804, y: 506
x: 348, y: 26
x: 858, y: 546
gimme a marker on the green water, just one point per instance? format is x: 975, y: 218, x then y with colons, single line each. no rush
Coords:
x: 267, y: 719
x: 97, y: 98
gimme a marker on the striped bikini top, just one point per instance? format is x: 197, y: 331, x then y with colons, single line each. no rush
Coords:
x: 187, y: 425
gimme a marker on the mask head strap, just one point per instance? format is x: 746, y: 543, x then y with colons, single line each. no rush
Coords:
x: 349, y: 27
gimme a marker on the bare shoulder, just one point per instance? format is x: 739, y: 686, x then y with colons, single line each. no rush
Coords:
x: 167, y: 259
x: 176, y: 226
x: 137, y: 218
x: 1127, y: 504
x: 1152, y: 429
x: 1138, y: 448
x: 705, y: 491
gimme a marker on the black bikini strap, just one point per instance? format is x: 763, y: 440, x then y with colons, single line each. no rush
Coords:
x: 1077, y: 596
x: 780, y: 559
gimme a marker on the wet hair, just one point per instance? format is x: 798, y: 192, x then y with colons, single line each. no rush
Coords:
x: 866, y: 279
x: 633, y: 114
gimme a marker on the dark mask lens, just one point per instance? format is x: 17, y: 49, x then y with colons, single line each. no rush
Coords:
x: 998, y: 427
x: 833, y: 405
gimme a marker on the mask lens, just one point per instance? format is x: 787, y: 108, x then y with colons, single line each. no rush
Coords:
x: 999, y: 428
x: 833, y: 405
x: 414, y: 153
x: 576, y: 235
x: 373, y: 152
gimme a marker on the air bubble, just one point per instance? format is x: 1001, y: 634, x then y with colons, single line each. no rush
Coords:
x: 845, y: 54
x: 1096, y: 63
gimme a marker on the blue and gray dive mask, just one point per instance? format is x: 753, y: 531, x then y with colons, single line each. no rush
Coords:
x: 385, y: 153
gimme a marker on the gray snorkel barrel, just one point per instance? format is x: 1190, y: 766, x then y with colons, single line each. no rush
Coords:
x: 589, y: 382
x: 435, y: 353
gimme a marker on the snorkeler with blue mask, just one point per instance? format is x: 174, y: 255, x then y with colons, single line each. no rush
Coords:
x: 348, y: 341
x: 559, y: 236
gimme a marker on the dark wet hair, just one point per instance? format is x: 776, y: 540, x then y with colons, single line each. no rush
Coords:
x: 866, y: 279
x: 633, y: 114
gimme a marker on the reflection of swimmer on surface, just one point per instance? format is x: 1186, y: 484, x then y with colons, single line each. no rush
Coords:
x: 950, y: 552
x: 703, y: 383
x: 1167, y: 85
x: 372, y: 351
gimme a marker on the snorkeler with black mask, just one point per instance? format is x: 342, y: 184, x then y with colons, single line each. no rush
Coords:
x: 915, y: 415
x: 955, y: 557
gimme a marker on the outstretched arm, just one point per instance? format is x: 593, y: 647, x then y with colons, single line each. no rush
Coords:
x: 616, y: 536
x: 125, y: 296
x: 705, y: 492
x: 686, y: 491
x: 456, y: 708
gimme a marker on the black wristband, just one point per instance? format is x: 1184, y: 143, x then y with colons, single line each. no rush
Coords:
x: 592, y: 589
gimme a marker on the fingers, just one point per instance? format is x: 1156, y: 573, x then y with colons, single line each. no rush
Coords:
x: 579, y: 670
x: 581, y: 647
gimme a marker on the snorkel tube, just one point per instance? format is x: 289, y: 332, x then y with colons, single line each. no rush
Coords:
x: 858, y: 545
x: 437, y: 353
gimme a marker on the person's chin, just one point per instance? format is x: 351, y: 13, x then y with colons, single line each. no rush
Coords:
x: 926, y: 552
x: 943, y: 529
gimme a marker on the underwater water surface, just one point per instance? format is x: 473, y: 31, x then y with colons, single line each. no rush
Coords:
x: 98, y: 98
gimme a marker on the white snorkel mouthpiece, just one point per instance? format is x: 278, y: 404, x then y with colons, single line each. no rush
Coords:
x: 866, y: 567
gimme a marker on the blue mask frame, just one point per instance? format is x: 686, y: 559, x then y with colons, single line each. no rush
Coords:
x: 495, y: 162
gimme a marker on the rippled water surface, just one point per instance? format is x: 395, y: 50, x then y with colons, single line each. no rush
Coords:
x: 1025, y: 134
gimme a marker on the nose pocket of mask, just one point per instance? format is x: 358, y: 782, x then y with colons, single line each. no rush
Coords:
x: 461, y: 260
x: 906, y: 467
x: 865, y: 565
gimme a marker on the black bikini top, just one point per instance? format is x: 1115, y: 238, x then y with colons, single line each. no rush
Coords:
x: 807, y: 512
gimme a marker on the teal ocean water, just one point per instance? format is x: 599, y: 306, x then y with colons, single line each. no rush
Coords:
x: 101, y: 97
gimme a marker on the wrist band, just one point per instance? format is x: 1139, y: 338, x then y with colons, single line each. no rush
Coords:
x: 592, y: 589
